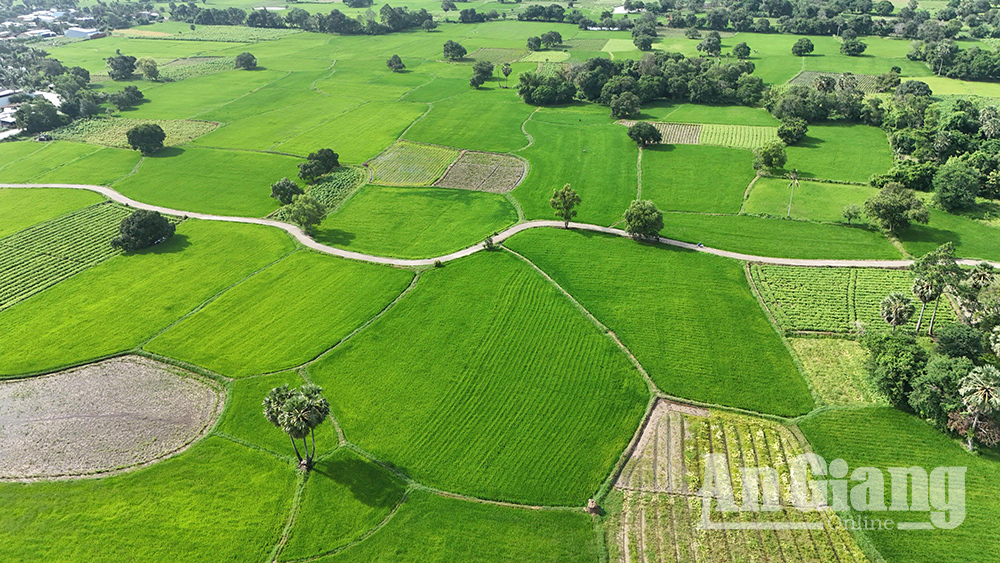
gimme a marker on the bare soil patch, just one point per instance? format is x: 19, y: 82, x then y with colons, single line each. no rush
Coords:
x: 484, y: 172
x: 105, y: 417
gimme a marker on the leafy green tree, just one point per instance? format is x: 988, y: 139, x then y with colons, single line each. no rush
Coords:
x: 395, y: 63
x: 803, y: 47
x: 129, y: 96
x: 956, y: 185
x: 534, y: 43
x: 142, y: 229
x: 925, y: 290
x: 896, y: 309
x: 852, y: 47
x: 643, y: 220
x: 246, y: 61
x: 317, y: 164
x: 121, y: 67
x: 429, y: 25
x: 960, y: 340
x: 792, y: 130
x: 625, y: 106
x: 711, y: 46
x: 298, y: 412
x: 895, y: 360
x: 148, y: 68
x: 564, y: 202
x: 643, y: 42
x: 37, y: 115
x: 284, y: 190
x: 980, y: 391
x: 935, y: 392
x: 771, y: 155
x: 825, y: 84
x: 982, y: 275
x: 644, y: 133
x: 481, y: 72
x: 306, y: 212
x: 895, y: 208
x: 741, y: 51
x: 551, y: 39
x: 146, y: 138
x: 939, y: 267
x: 851, y: 212
x: 453, y: 51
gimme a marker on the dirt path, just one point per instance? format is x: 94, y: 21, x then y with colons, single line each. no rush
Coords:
x: 404, y: 263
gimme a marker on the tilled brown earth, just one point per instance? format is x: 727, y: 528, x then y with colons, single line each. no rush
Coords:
x: 103, y: 417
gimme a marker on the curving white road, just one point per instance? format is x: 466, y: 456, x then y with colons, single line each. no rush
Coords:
x: 408, y: 263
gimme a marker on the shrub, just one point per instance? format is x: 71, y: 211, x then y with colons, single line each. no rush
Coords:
x: 142, y: 229
x: 960, y: 341
x: 146, y: 138
x: 246, y: 61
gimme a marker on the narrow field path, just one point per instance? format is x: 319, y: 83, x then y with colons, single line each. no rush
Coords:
x: 535, y: 224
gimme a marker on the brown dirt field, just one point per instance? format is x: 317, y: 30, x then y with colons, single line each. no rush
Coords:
x: 484, y: 172
x: 104, y: 417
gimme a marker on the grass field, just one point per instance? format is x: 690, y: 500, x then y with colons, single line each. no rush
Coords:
x: 26, y: 164
x: 415, y: 222
x: 833, y: 299
x: 825, y: 149
x: 497, y: 388
x: 255, y: 329
x: 972, y: 239
x: 776, y: 237
x: 411, y: 164
x: 696, y: 178
x: 885, y: 437
x: 599, y: 162
x: 155, y: 287
x: 110, y: 132
x: 20, y: 209
x: 41, y: 256
x: 482, y: 121
x: 209, y: 181
x: 666, y: 306
x: 429, y: 528
x: 345, y: 497
x: 662, y: 110
x: 835, y: 369
x: 218, y: 501
x: 816, y: 201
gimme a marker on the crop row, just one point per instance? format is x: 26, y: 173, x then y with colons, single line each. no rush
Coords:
x: 498, y: 56
x: 737, y: 136
x: 224, y: 33
x: 830, y: 299
x: 41, y: 256
x: 485, y: 172
x: 411, y: 164
x: 192, y: 67
x: 866, y: 82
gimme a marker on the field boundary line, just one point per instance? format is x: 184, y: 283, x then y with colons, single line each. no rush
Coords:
x: 747, y: 192
x: 308, y: 242
x: 531, y: 140
x: 286, y: 531
x: 638, y: 175
x: 419, y: 118
x: 254, y: 91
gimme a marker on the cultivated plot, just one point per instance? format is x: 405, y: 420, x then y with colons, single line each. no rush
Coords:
x: 110, y: 131
x: 411, y: 164
x: 484, y: 172
x: 109, y: 416
x: 20, y: 208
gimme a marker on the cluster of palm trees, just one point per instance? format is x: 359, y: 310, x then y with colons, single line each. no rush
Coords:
x: 298, y: 412
x: 980, y: 392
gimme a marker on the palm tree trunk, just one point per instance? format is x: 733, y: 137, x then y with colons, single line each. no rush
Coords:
x: 972, y: 432
x: 297, y: 454
x: 305, y: 447
x: 920, y: 319
x: 312, y: 434
x: 930, y: 329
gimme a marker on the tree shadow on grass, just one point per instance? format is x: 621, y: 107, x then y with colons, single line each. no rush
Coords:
x: 176, y: 243
x: 665, y: 147
x: 334, y: 237
x: 167, y: 152
x: 369, y: 484
x: 925, y: 234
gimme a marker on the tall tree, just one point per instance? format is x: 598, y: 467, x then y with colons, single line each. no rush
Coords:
x: 453, y: 51
x: 896, y: 309
x: 298, y: 412
x: 925, y: 290
x: 506, y: 70
x: 940, y: 267
x: 564, y: 202
x: 894, y: 208
x: 306, y: 212
x: 980, y: 391
x: 284, y: 190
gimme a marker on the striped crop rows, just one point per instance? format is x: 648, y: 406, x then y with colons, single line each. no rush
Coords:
x: 831, y: 299
x: 661, y: 509
x: 733, y: 136
x: 41, y: 256
x: 411, y: 164
x: 484, y: 172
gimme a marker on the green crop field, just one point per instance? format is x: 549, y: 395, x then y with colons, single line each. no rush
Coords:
x: 816, y: 201
x: 696, y: 178
x: 210, y: 181
x: 833, y: 299
x: 251, y: 329
x: 20, y: 209
x: 155, y: 287
x: 415, y: 222
x: 835, y: 369
x: 885, y: 437
x: 737, y: 136
x: 973, y: 239
x: 27, y: 164
x: 663, y: 303
x: 410, y: 164
x: 497, y: 116
x: 445, y: 408
x: 110, y: 132
x: 219, y: 500
x: 41, y: 256
x: 825, y: 149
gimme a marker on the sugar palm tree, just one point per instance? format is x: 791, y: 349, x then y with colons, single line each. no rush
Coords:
x: 982, y: 275
x: 273, y: 403
x: 297, y: 412
x: 506, y: 70
x: 896, y: 309
x: 793, y: 182
x: 980, y: 391
x: 925, y: 290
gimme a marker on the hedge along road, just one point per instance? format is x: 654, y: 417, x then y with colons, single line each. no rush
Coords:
x: 500, y: 237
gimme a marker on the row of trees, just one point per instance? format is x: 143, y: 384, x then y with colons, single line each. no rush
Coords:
x: 643, y: 221
x: 387, y: 20
x: 955, y: 386
x: 300, y: 208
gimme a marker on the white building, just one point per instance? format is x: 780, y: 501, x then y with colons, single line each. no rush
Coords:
x: 38, y: 33
x: 83, y: 33
x: 6, y: 95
